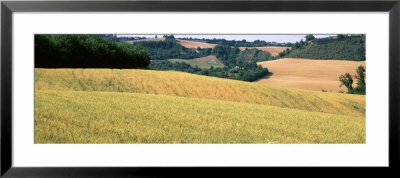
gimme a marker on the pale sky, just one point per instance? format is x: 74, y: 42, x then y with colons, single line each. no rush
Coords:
x: 267, y: 38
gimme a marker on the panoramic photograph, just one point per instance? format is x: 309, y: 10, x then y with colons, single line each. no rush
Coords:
x: 200, y: 89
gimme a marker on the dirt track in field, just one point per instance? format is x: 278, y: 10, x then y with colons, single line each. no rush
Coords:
x: 309, y: 74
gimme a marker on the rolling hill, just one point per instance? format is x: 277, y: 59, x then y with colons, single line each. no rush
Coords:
x: 341, y: 47
x: 146, y: 106
x: 196, y: 86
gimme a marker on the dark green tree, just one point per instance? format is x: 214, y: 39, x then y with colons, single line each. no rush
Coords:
x: 340, y: 36
x: 87, y: 51
x: 309, y: 37
x: 360, y: 89
x: 347, y: 81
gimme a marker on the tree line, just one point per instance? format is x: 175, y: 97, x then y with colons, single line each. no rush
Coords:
x: 238, y: 43
x: 87, y: 51
x: 121, y: 38
x: 221, y: 72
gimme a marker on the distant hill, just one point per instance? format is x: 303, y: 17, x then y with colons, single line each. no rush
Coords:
x: 340, y: 47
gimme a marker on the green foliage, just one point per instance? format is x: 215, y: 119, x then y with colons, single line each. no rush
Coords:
x: 252, y: 56
x: 309, y: 37
x: 240, y: 65
x: 87, y: 51
x: 170, y: 49
x: 232, y: 57
x: 347, y: 80
x: 342, y: 47
x: 251, y: 74
x: 360, y: 89
x: 341, y: 36
x: 226, y: 54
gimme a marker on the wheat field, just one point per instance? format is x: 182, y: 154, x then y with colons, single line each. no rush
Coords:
x: 145, y: 106
x: 194, y: 44
x: 310, y: 74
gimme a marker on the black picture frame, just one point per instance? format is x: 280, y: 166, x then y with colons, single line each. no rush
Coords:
x: 8, y: 7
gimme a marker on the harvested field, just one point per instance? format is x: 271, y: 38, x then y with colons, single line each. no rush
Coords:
x: 193, y: 44
x: 308, y: 74
x: 274, y: 50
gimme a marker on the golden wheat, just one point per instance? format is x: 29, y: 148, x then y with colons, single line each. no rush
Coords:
x: 113, y: 117
x: 196, y: 86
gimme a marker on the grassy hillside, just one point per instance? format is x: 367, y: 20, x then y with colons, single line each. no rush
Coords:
x: 203, y: 62
x: 341, y: 48
x: 197, y: 86
x: 113, y: 117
